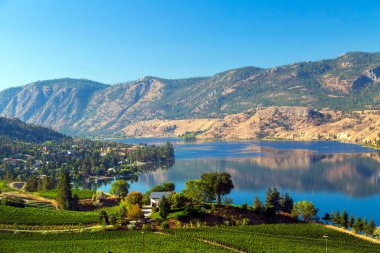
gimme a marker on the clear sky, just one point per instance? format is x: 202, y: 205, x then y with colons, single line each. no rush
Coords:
x: 115, y: 41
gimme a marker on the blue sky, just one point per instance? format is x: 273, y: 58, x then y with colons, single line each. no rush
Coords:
x: 115, y: 41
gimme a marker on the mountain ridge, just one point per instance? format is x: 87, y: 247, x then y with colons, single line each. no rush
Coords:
x: 81, y: 106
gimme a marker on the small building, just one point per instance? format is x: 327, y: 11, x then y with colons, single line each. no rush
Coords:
x: 156, y: 196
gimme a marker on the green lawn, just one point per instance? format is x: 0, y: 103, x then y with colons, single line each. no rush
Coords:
x: 52, y: 194
x: 4, y: 187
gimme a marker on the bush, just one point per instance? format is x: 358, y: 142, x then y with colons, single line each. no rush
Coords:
x: 147, y: 227
x: 165, y: 225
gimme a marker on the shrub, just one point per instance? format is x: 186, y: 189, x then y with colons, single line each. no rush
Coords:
x: 165, y: 225
x: 147, y: 227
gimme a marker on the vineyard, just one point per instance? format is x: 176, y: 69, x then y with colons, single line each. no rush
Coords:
x: 52, y: 194
x: 258, y: 238
x: 281, y: 238
x: 44, y: 216
x: 130, y: 241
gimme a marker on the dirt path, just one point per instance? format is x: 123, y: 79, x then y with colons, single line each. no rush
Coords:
x: 28, y: 197
x: 363, y: 237
x: 207, y: 242
x: 54, y: 231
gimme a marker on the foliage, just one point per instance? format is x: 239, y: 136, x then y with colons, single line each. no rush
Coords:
x: 258, y: 206
x: 178, y: 200
x: 197, y: 191
x: 64, y: 196
x: 164, y: 207
x: 286, y: 203
x: 135, y: 212
x: 272, y: 200
x: 82, y: 194
x: 133, y: 198
x: 306, y: 209
x: 164, y: 225
x: 120, y: 188
x: 219, y: 184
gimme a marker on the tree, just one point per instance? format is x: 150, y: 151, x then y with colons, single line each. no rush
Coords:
x: 358, y: 225
x: 164, y: 207
x: 337, y: 218
x: 258, y: 206
x: 371, y: 227
x: 344, y: 219
x: 326, y: 217
x: 31, y: 184
x: 351, y: 221
x: 103, y: 218
x: 64, y: 196
x: 272, y: 200
x: 133, y: 198
x: 306, y: 209
x: 178, y: 200
x: 219, y: 184
x: 286, y: 203
x: 120, y: 188
x: 135, y: 212
x: 197, y: 191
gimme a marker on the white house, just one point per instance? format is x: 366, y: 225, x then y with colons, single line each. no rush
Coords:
x: 156, y: 196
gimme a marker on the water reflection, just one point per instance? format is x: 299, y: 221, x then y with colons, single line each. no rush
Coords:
x: 332, y: 175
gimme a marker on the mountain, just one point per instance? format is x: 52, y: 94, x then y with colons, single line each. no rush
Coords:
x: 16, y: 129
x: 349, y: 82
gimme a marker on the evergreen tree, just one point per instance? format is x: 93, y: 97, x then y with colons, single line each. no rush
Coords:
x: 371, y: 227
x: 365, y: 227
x: 272, y: 200
x: 358, y: 226
x: 64, y: 191
x: 337, y: 219
x: 286, y: 203
x: 164, y: 207
x: 344, y: 219
x: 31, y: 184
x: 351, y: 221
x: 326, y: 217
x: 332, y: 217
x: 258, y: 206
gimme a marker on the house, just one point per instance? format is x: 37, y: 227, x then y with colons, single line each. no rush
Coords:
x: 156, y: 196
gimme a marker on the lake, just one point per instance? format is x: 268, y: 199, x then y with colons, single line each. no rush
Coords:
x: 332, y: 175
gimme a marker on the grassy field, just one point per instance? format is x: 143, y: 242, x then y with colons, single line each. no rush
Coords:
x: 4, y: 187
x: 43, y: 216
x: 259, y: 238
x: 52, y: 194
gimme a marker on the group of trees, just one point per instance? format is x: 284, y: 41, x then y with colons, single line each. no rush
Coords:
x: 39, y: 184
x: 212, y: 186
x: 83, y: 158
x: 355, y: 224
x: 274, y: 203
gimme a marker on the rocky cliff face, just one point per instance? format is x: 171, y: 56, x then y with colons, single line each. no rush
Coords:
x: 244, y: 103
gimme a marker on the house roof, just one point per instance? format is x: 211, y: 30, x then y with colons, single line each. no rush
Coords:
x: 158, y: 195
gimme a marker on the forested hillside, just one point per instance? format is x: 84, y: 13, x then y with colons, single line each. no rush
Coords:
x: 15, y: 129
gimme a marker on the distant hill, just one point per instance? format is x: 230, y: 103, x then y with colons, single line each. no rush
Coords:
x: 349, y: 82
x: 16, y: 129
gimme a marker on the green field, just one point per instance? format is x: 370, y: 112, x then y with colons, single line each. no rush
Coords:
x: 282, y: 238
x: 52, y: 194
x: 129, y: 241
x: 43, y: 216
x: 259, y: 238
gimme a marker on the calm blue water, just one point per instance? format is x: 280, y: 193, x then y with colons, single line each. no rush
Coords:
x: 330, y: 174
